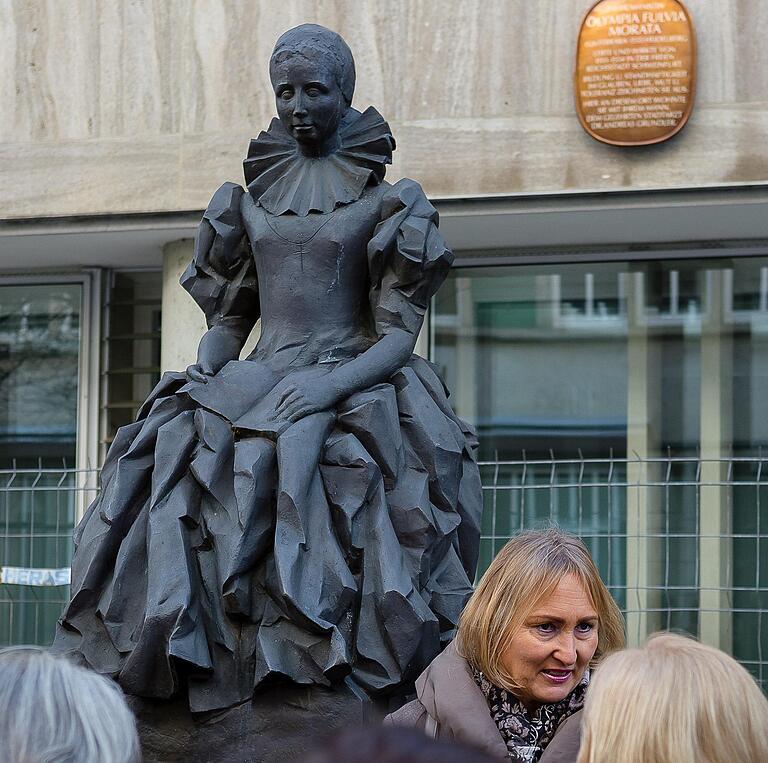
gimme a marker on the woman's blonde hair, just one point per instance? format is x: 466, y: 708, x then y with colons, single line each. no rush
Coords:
x: 674, y: 700
x: 524, y: 573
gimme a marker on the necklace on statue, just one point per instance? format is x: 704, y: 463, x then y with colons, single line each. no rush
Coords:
x: 300, y: 242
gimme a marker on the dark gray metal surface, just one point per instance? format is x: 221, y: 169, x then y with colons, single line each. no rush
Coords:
x: 310, y: 512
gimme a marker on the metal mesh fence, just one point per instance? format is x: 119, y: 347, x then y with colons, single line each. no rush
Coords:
x: 38, y: 507
x: 678, y: 541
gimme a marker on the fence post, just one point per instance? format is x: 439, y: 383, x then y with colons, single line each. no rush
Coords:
x: 716, y: 449
x: 644, y: 563
x: 465, y: 392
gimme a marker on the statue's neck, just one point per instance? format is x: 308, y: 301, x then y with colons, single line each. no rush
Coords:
x: 319, y: 150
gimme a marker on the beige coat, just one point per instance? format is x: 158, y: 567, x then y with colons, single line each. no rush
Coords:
x: 450, y: 704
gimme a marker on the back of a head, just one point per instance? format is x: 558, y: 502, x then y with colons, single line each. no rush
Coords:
x: 53, y: 711
x: 674, y: 700
x: 393, y: 744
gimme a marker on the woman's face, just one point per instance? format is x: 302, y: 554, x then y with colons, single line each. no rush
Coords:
x: 309, y: 102
x: 549, y: 654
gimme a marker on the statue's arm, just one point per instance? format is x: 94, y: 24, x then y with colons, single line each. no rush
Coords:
x: 372, y: 367
x: 375, y: 365
x: 221, y: 343
x: 222, y: 280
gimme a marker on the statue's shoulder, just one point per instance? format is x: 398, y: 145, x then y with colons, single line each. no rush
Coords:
x: 372, y: 200
x: 226, y: 200
x: 379, y: 190
x: 402, y: 193
x: 404, y: 198
x: 408, y: 185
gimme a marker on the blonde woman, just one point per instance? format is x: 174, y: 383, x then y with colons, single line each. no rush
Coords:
x: 673, y: 701
x: 513, y: 683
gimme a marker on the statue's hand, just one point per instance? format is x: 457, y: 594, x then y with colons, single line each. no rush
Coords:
x: 200, y: 372
x: 301, y: 399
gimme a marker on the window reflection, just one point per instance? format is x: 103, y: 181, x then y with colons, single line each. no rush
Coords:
x: 39, y: 361
x: 544, y: 358
x: 39, y: 350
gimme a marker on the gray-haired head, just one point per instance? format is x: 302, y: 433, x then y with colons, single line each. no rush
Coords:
x: 315, y: 41
x: 54, y: 710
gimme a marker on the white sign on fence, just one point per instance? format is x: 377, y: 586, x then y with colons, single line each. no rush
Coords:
x: 34, y: 576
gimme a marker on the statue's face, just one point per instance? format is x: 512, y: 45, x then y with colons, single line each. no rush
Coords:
x: 309, y: 102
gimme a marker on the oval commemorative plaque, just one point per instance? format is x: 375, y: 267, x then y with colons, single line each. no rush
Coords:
x: 635, y: 71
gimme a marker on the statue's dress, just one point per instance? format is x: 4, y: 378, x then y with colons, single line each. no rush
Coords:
x: 228, y: 546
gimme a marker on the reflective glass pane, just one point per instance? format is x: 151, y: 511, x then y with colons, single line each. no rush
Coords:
x: 582, y: 357
x: 39, y: 361
x: 39, y: 352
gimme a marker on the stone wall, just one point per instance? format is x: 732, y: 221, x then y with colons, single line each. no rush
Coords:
x: 135, y: 106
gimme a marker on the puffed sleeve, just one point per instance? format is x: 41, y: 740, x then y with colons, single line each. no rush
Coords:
x: 407, y: 259
x: 222, y: 276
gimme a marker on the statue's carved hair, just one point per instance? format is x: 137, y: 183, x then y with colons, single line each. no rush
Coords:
x: 313, y: 40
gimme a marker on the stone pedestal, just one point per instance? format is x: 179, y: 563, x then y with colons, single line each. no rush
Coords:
x: 280, y: 724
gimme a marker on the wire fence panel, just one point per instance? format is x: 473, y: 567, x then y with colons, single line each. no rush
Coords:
x: 38, y: 509
x: 678, y: 541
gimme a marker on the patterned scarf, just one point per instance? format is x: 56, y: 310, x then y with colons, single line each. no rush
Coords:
x: 526, y: 733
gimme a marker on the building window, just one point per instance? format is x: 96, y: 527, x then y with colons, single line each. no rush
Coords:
x: 564, y: 358
x: 131, y: 347
x: 39, y: 355
x: 40, y: 386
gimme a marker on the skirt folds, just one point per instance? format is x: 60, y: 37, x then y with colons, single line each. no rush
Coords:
x: 222, y: 551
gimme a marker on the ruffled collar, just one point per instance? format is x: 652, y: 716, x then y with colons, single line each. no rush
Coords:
x: 282, y: 180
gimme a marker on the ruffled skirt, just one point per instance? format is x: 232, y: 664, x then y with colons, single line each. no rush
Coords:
x: 224, y: 550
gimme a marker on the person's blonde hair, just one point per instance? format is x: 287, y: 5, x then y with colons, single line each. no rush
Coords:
x: 524, y: 573
x: 673, y: 700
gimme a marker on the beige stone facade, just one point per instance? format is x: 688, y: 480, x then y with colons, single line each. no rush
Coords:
x: 141, y: 106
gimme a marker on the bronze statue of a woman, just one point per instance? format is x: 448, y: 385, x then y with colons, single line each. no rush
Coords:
x: 311, y: 512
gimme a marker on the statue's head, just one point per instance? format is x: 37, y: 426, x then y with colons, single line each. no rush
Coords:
x: 313, y: 76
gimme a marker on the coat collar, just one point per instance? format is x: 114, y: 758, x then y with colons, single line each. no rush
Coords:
x: 284, y: 181
x: 448, y: 691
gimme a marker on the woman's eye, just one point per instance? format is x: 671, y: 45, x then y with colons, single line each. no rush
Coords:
x: 585, y: 628
x: 546, y: 628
